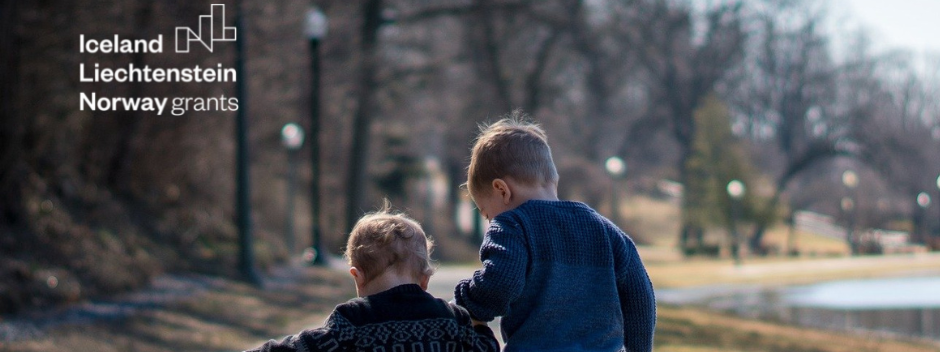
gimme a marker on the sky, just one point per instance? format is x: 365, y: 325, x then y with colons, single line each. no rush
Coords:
x: 894, y: 24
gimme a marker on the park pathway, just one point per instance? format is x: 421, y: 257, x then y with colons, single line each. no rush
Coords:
x: 445, y: 279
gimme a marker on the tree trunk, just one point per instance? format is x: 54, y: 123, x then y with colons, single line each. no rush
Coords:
x: 11, y: 134
x: 491, y: 63
x: 128, y: 127
x: 685, y: 142
x: 355, y: 188
x: 454, y: 171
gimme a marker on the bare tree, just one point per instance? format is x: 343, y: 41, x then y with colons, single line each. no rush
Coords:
x: 895, y: 129
x: 684, y: 65
x: 787, y: 89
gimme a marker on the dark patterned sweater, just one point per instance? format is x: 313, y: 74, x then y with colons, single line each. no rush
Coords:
x: 563, y: 278
x: 402, y: 319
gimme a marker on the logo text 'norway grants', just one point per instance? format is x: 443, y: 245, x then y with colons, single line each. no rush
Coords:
x: 211, y: 29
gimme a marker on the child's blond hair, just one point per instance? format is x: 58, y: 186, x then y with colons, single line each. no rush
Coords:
x: 512, y: 147
x: 384, y: 240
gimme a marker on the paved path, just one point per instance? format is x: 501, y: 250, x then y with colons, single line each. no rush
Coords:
x: 445, y: 279
x: 443, y: 282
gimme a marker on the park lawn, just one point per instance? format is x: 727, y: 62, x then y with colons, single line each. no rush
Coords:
x: 655, y: 222
x: 231, y: 316
x: 235, y: 316
x: 808, y: 244
x: 651, y: 221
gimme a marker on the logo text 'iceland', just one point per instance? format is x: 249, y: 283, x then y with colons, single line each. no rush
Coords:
x: 211, y: 29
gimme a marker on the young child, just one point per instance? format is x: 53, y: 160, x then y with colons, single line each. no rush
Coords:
x: 562, y: 277
x: 389, y: 255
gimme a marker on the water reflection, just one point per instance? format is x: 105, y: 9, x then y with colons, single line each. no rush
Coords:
x: 904, y: 306
x: 911, y: 292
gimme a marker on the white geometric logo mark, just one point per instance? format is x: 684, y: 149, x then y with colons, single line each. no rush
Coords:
x: 211, y: 29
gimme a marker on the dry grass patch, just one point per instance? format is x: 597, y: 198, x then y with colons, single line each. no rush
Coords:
x: 695, y: 330
x: 230, y: 316
x: 655, y: 221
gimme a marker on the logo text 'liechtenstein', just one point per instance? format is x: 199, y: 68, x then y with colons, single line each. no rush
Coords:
x: 211, y: 29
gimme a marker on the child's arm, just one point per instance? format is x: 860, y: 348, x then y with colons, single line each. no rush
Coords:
x: 325, y: 338
x: 482, y: 339
x: 505, y: 257
x: 637, y: 300
x: 288, y: 344
x: 476, y: 335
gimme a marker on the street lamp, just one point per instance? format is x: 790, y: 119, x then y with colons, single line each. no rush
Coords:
x: 292, y: 137
x: 736, y: 191
x: 315, y: 27
x: 315, y: 24
x: 850, y: 180
x: 617, y: 168
x: 847, y: 204
x: 923, y: 200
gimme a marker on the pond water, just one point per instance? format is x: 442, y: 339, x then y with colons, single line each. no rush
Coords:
x: 907, y: 306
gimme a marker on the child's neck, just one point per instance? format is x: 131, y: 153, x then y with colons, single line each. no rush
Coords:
x: 523, y: 193
x: 389, y: 279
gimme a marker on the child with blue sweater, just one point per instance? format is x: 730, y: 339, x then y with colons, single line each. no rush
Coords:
x: 561, y: 276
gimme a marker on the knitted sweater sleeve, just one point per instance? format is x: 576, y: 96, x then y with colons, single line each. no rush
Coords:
x: 637, y: 300
x: 299, y: 342
x: 334, y: 336
x: 505, y: 257
x: 479, y: 338
x: 483, y: 340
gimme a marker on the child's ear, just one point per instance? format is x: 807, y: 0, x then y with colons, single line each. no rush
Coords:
x: 357, y: 276
x: 424, y: 282
x: 501, y: 189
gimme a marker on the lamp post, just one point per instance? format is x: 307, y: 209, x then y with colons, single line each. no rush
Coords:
x: 923, y: 200
x: 315, y: 29
x: 617, y: 168
x: 736, y: 191
x: 431, y: 168
x: 938, y: 200
x: 850, y: 180
x: 848, y: 206
x: 292, y: 137
x: 243, y: 192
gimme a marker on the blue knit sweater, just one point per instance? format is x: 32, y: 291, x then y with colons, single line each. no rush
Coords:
x: 563, y: 278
